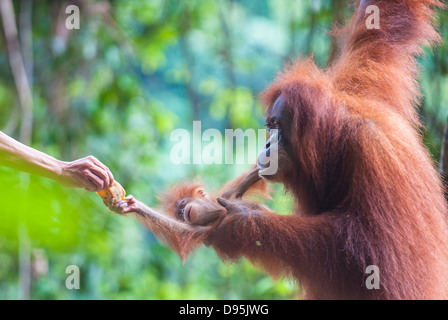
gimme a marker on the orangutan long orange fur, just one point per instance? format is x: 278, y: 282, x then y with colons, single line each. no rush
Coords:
x: 184, y: 238
x: 366, y: 190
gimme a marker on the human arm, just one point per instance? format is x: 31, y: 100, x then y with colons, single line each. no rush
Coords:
x: 88, y: 173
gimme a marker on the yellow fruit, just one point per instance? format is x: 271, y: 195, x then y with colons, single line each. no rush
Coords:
x: 115, y: 191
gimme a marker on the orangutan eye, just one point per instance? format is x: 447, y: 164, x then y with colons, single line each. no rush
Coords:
x: 274, y: 123
x: 181, y: 210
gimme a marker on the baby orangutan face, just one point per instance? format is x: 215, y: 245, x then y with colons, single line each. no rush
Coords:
x: 197, y: 208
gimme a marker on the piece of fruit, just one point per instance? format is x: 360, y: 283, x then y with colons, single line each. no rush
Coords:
x: 115, y: 191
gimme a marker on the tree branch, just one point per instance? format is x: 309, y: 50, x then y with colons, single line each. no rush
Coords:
x: 18, y: 69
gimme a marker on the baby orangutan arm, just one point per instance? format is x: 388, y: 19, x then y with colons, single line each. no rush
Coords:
x: 189, y: 214
x: 238, y: 187
x: 179, y: 237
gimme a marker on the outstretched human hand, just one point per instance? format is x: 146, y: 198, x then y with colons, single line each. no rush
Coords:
x: 88, y: 173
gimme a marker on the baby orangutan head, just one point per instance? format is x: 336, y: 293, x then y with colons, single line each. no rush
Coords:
x: 189, y: 203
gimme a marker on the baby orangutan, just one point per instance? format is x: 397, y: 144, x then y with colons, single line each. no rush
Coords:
x: 189, y: 214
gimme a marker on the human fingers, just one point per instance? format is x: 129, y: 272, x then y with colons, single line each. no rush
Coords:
x: 102, y: 174
x: 95, y: 180
x: 87, y: 185
x: 103, y: 167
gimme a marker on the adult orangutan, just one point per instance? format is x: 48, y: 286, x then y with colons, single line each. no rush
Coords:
x: 366, y: 190
x: 350, y: 152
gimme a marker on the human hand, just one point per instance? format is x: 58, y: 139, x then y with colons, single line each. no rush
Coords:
x: 88, y: 173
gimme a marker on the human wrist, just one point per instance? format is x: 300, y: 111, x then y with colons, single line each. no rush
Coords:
x: 49, y: 167
x: 58, y: 170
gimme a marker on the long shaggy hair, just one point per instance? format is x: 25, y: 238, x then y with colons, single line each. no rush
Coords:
x: 367, y: 192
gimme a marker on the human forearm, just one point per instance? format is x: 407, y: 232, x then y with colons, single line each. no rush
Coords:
x: 88, y: 173
x: 16, y: 155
